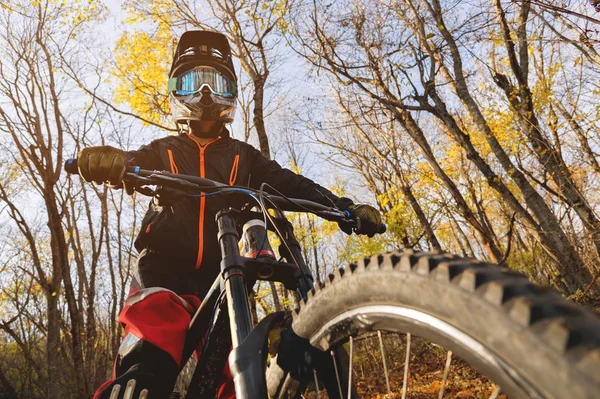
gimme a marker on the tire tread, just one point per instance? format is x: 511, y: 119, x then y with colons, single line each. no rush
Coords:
x: 570, y: 329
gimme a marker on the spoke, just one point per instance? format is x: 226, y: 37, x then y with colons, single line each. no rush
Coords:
x: 337, y: 374
x: 406, y: 361
x: 445, y: 377
x: 350, y: 369
x: 387, y: 378
x: 496, y: 392
x: 317, y: 384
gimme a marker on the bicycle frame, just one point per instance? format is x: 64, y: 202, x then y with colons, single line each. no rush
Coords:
x: 246, y: 362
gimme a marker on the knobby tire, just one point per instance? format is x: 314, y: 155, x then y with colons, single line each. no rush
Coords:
x: 529, y: 340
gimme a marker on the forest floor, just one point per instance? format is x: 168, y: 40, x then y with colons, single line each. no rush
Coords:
x: 425, y: 375
x: 425, y: 380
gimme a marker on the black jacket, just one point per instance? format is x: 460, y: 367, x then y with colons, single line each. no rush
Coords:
x: 186, y: 232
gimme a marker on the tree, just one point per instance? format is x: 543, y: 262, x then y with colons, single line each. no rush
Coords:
x: 363, y: 134
x: 52, y: 285
x: 367, y: 71
x: 422, y: 72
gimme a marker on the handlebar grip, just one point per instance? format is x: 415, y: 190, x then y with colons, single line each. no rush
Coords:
x: 71, y: 166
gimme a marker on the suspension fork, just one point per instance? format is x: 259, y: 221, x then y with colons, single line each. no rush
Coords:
x: 246, y: 368
x: 234, y: 278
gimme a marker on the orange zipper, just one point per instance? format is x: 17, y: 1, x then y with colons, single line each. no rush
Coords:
x: 174, y: 168
x: 234, y: 170
x: 201, y: 148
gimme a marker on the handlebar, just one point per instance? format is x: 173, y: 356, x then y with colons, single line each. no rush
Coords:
x: 187, y: 182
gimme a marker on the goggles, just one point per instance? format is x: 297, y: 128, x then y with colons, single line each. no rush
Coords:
x: 194, y: 80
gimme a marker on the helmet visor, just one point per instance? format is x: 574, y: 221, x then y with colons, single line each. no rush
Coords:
x: 194, y: 80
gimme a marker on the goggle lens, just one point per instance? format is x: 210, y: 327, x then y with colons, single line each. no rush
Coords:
x: 196, y: 79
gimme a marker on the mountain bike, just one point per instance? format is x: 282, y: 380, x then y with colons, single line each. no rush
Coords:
x: 528, y: 340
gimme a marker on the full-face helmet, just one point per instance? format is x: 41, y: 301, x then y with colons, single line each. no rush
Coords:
x: 202, y: 80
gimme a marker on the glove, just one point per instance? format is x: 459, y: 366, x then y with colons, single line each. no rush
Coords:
x: 368, y: 219
x: 104, y: 164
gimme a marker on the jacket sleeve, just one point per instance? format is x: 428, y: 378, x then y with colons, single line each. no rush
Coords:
x: 146, y: 157
x: 284, y: 180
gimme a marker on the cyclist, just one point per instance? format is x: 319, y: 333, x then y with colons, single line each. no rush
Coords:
x: 179, y: 254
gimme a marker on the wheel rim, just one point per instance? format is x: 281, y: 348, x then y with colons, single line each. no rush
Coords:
x: 345, y: 327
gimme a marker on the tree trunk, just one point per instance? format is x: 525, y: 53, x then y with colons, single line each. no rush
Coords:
x: 263, y: 139
x: 413, y: 129
x: 551, y: 234
x: 61, y: 266
x: 53, y: 341
x: 276, y: 300
x: 258, y: 117
x: 550, y: 159
x: 10, y: 390
x: 429, y: 233
x: 252, y: 303
x: 583, y: 140
x: 462, y: 239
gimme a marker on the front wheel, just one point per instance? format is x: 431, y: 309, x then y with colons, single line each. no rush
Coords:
x: 529, y: 341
